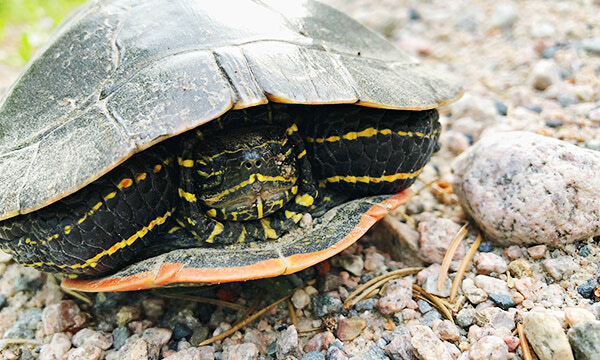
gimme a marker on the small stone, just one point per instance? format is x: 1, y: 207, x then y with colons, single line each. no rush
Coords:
x: 353, y: 264
x: 485, y: 247
x: 375, y: 353
x: 85, y: 352
x: 400, y: 347
x: 491, y: 285
x: 430, y: 317
x: 501, y: 108
x: 181, y: 331
x: 245, y: 351
x: 584, y: 338
x: 424, y: 306
x: 157, y: 336
x: 513, y: 252
x: 335, y: 353
x: 153, y: 308
x: 592, y: 45
x: 87, y: 336
x: 487, y: 263
x: 199, y: 335
x: 329, y: 282
x: 139, y: 349
x: 535, y: 108
x: 64, y: 316
x: 537, y: 252
x: 397, y: 295
x: 498, y: 318
x: 586, y: 290
x: 58, y: 347
x: 546, y: 336
x: 313, y: 355
x: 319, y: 342
x: 465, y: 317
x: 543, y: 29
x: 544, y: 74
x: 565, y: 100
x: 368, y: 304
x: 524, y: 188
x: 120, y: 336
x: 325, y: 304
x: 431, y: 286
x: 427, y: 344
x: 561, y: 267
x: 287, y: 344
x: 489, y: 348
x: 374, y: 261
x: 594, y: 115
x: 505, y: 302
x: 350, y: 328
x: 127, y: 314
x: 520, y: 268
x: 300, y: 299
x: 575, y: 315
x: 436, y: 236
x: 446, y: 330
x: 203, y: 353
x: 504, y: 16
x: 26, y: 325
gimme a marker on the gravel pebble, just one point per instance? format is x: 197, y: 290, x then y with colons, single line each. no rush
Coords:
x: 519, y: 268
x: 202, y: 353
x: 87, y: 336
x: 325, y: 304
x: 335, y: 353
x: 560, y: 268
x: 474, y: 294
x: 584, y: 338
x: 505, y: 302
x: 491, y: 285
x: 375, y: 353
x: 427, y: 344
x: 430, y: 285
x: 400, y: 347
x: 546, y: 336
x: 27, y: 325
x: 245, y: 351
x: 300, y: 299
x: 575, y: 315
x: 526, y: 188
x: 544, y: 74
x: 57, y: 348
x: 436, y: 236
x: 489, y: 348
x: 537, y: 252
x: 85, y: 352
x: 487, y: 263
x: 120, y: 335
x: 446, y: 330
x: 287, y: 344
x: 313, y: 355
x: 397, y: 295
x: 350, y: 328
x: 319, y: 342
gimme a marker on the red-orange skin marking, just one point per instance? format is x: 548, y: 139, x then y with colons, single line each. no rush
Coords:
x: 125, y: 183
x: 170, y: 273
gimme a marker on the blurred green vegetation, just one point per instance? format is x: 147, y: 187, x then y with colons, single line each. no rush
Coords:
x: 33, y: 20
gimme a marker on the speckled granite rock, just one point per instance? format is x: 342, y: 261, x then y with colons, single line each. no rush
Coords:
x: 524, y: 188
x: 546, y: 336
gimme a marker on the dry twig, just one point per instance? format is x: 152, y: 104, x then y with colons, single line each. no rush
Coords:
x: 524, y: 345
x: 435, y: 301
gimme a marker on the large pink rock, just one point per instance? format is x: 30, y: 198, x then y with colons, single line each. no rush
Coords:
x: 523, y: 188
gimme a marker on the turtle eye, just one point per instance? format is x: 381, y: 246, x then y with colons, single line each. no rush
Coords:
x: 258, y: 163
x: 248, y: 165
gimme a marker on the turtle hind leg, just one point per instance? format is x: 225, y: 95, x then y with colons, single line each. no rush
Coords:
x: 365, y: 151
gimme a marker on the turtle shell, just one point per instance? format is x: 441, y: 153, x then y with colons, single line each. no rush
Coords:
x: 120, y: 76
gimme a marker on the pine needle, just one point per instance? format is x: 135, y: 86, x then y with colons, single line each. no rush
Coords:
x: 251, y: 309
x: 524, y: 344
x: 435, y: 301
x: 292, y: 311
x: 205, y: 300
x: 450, y: 254
x: 460, y: 273
x: 367, y: 288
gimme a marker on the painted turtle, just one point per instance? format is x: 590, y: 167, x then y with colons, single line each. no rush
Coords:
x: 303, y: 121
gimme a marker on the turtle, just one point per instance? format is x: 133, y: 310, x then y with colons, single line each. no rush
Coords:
x: 166, y: 142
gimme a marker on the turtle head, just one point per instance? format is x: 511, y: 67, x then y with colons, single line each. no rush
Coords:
x: 246, y: 174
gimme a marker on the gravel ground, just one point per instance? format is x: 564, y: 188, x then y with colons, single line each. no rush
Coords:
x: 525, y: 65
